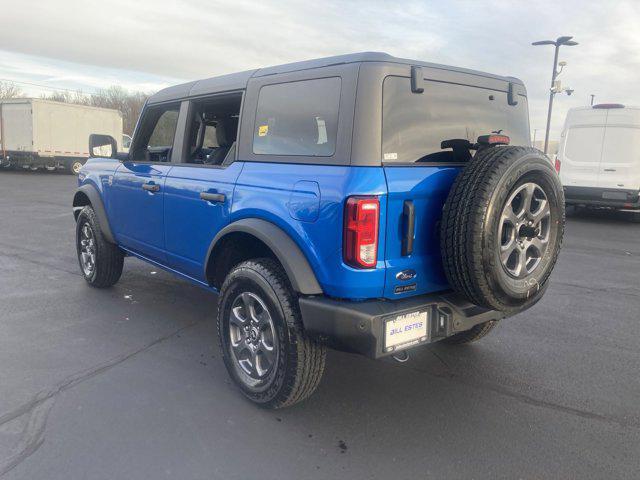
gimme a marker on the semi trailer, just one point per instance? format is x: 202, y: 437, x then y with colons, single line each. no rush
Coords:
x: 37, y: 133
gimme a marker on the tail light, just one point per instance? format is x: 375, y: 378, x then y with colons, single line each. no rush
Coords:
x: 494, y: 140
x: 361, y: 220
x: 558, y: 164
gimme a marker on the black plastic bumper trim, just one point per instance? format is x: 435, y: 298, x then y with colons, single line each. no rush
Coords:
x: 358, y: 327
x: 604, y: 197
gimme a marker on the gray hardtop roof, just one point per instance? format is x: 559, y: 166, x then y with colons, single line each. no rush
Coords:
x: 238, y: 81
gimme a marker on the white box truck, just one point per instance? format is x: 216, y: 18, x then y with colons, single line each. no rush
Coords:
x: 599, y: 156
x: 37, y: 133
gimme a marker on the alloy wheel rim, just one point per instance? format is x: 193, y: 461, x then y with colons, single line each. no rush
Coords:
x: 76, y: 167
x: 87, y: 250
x: 252, y: 336
x: 524, y: 230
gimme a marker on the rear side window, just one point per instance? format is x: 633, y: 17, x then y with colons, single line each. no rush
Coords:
x: 298, y: 118
x: 415, y: 124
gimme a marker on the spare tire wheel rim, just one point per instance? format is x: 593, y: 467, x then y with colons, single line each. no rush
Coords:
x: 252, y: 336
x: 525, y: 225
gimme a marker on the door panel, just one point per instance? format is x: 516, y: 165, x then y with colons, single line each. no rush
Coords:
x: 137, y: 210
x: 191, y: 221
x: 620, y: 163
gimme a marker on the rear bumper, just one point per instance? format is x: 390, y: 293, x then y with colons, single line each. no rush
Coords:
x: 359, y: 326
x: 602, y: 197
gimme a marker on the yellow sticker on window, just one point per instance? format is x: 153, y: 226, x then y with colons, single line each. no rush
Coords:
x: 263, y: 130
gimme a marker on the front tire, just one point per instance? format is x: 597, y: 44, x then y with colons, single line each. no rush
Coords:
x: 100, y: 261
x: 264, y: 347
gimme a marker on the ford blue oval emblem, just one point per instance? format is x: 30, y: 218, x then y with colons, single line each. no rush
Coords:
x: 405, y: 275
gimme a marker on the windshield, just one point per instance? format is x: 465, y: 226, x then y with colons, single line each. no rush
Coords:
x: 415, y: 124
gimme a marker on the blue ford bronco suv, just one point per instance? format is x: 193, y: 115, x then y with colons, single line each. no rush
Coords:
x: 361, y: 202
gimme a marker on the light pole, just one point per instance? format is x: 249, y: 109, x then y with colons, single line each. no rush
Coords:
x: 557, y: 43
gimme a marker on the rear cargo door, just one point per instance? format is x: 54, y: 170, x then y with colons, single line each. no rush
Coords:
x: 17, y: 127
x: 581, y: 147
x: 581, y: 156
x: 415, y: 200
x: 620, y: 162
x: 419, y: 173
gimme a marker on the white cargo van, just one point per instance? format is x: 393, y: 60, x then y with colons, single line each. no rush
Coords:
x: 36, y: 133
x: 599, y: 156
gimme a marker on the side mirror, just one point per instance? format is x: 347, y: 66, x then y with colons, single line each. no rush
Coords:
x: 102, y: 146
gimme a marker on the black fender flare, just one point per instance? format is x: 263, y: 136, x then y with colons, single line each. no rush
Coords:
x: 294, y: 262
x: 95, y: 200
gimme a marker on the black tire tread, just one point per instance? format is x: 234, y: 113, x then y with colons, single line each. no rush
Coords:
x: 308, y: 360
x: 462, y: 219
x: 109, y: 258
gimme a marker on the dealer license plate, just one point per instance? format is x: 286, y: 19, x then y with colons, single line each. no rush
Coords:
x: 614, y: 195
x: 405, y: 331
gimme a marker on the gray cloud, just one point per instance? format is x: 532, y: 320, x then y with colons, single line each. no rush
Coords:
x: 162, y: 41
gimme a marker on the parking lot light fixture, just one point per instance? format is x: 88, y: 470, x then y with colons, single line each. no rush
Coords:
x: 565, y: 40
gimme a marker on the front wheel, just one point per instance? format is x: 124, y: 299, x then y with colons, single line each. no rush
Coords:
x: 100, y: 261
x: 266, y: 351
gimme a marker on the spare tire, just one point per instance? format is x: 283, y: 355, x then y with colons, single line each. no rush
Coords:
x: 502, y: 228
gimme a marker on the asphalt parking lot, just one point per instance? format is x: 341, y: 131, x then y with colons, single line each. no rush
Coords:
x: 128, y: 382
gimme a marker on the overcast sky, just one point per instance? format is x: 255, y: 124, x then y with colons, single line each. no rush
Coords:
x: 148, y: 44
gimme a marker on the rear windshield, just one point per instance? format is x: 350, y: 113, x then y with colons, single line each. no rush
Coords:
x: 584, y: 143
x: 415, y: 124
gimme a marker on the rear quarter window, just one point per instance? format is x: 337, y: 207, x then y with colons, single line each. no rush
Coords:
x: 298, y: 118
x: 415, y: 124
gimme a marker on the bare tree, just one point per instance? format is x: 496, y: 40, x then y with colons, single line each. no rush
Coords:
x: 129, y: 103
x: 9, y: 90
x: 67, y: 97
x: 115, y: 97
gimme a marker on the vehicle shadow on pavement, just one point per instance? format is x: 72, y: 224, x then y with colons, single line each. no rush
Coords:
x: 603, y: 216
x: 168, y: 398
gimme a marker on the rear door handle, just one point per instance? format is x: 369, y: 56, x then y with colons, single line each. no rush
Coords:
x: 213, y: 197
x: 151, y: 187
x: 409, y: 217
